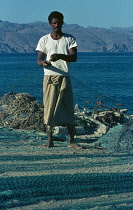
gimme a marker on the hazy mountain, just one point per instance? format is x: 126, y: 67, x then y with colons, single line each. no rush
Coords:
x: 23, y: 38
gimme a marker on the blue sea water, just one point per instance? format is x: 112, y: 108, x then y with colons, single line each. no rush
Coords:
x: 93, y: 75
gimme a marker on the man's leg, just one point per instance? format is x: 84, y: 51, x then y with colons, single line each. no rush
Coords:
x: 50, y: 140
x: 71, y: 130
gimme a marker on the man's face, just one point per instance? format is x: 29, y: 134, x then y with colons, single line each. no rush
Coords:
x: 56, y: 25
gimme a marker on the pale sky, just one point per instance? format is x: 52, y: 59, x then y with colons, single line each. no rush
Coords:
x: 95, y: 13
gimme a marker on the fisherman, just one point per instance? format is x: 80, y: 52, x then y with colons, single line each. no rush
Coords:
x: 55, y: 52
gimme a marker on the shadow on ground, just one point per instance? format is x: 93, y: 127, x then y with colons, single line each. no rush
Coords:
x: 28, y: 190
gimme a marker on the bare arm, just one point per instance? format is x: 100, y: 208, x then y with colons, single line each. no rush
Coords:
x: 41, y: 59
x: 71, y: 57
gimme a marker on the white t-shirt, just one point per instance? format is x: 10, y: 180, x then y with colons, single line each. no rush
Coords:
x: 49, y: 46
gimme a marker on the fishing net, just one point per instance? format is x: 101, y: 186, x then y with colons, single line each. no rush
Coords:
x: 21, y: 111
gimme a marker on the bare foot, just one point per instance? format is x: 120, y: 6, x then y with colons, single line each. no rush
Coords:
x: 47, y: 145
x: 75, y: 145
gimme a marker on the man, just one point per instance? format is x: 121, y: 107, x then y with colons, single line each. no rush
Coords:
x: 55, y: 51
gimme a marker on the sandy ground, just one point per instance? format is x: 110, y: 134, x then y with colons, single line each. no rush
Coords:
x: 33, y: 177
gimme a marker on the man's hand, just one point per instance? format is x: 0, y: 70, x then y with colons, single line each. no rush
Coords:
x: 54, y: 57
x: 41, y: 60
x: 70, y: 57
x: 46, y: 63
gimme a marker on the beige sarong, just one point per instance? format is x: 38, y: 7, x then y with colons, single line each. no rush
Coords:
x: 58, y: 101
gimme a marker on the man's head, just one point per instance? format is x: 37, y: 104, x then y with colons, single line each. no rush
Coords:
x: 56, y: 21
x: 56, y: 15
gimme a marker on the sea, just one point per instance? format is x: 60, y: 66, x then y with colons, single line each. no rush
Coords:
x: 95, y: 76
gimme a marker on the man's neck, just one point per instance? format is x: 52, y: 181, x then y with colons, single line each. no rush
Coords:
x: 56, y: 35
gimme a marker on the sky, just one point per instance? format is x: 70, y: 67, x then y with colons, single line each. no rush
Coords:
x: 95, y: 13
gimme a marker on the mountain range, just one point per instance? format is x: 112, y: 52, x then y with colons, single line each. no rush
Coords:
x: 23, y: 38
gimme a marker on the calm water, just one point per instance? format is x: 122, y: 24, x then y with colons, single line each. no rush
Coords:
x: 93, y: 75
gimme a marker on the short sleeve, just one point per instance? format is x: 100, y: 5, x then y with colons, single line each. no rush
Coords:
x: 73, y: 42
x: 41, y: 45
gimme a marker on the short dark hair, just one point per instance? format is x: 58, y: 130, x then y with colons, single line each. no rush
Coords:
x: 57, y: 15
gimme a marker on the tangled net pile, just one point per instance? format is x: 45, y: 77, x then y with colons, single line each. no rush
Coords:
x: 21, y: 111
